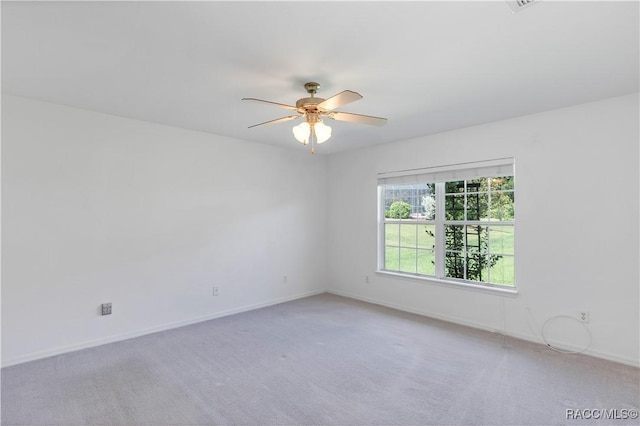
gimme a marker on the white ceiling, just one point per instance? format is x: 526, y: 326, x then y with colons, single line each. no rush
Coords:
x: 426, y: 66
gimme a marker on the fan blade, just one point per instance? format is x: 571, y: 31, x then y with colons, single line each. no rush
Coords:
x: 277, y: 120
x: 340, y: 99
x: 358, y: 118
x: 285, y: 106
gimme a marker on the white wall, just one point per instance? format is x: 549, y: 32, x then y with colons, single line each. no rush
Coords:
x: 98, y: 208
x: 576, y: 225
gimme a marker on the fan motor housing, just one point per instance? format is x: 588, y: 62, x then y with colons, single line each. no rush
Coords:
x: 308, y: 104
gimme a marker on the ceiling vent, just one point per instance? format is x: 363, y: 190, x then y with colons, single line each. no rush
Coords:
x: 517, y: 5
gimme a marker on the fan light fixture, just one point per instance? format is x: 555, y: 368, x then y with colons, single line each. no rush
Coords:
x: 313, y: 131
x: 305, y: 131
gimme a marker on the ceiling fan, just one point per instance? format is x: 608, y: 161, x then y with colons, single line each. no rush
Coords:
x: 313, y: 130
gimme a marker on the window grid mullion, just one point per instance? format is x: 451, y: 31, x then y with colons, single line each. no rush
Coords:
x: 489, y: 231
x: 399, y: 246
x: 439, y: 228
x: 416, y: 248
x: 465, y: 234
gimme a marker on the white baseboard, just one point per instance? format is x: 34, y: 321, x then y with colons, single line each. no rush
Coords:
x: 529, y: 338
x: 137, y: 333
x: 116, y: 338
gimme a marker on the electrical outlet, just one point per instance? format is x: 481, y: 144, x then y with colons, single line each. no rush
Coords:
x: 583, y: 316
x: 106, y: 309
x: 366, y: 279
x: 216, y: 291
x: 285, y: 279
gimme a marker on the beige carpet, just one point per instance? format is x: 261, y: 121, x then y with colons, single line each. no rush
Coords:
x: 320, y: 360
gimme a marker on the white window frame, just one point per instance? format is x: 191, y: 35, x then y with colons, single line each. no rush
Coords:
x: 439, y: 176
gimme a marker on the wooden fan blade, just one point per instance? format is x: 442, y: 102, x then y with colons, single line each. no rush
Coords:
x: 340, y: 99
x: 358, y: 118
x: 278, y: 120
x: 285, y: 106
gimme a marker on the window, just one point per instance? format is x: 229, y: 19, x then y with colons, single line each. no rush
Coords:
x: 453, y: 223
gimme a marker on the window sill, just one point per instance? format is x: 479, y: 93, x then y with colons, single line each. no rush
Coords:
x: 452, y: 284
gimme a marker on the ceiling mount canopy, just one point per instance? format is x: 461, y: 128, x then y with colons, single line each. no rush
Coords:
x: 311, y: 87
x: 313, y: 130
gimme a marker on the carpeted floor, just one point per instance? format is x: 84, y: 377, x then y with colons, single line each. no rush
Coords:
x: 315, y: 361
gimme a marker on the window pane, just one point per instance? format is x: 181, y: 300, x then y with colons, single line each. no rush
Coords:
x: 477, y: 267
x: 426, y: 262
x: 391, y: 234
x: 502, y: 206
x: 475, y: 185
x: 454, y: 207
x: 454, y: 265
x: 501, y: 239
x: 408, y: 260
x: 502, y: 272
x: 502, y: 183
x: 406, y: 201
x: 429, y: 206
x: 454, y: 237
x: 391, y: 258
x: 454, y: 187
x: 476, y: 238
x: 408, y: 235
x: 426, y: 236
x: 477, y: 205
